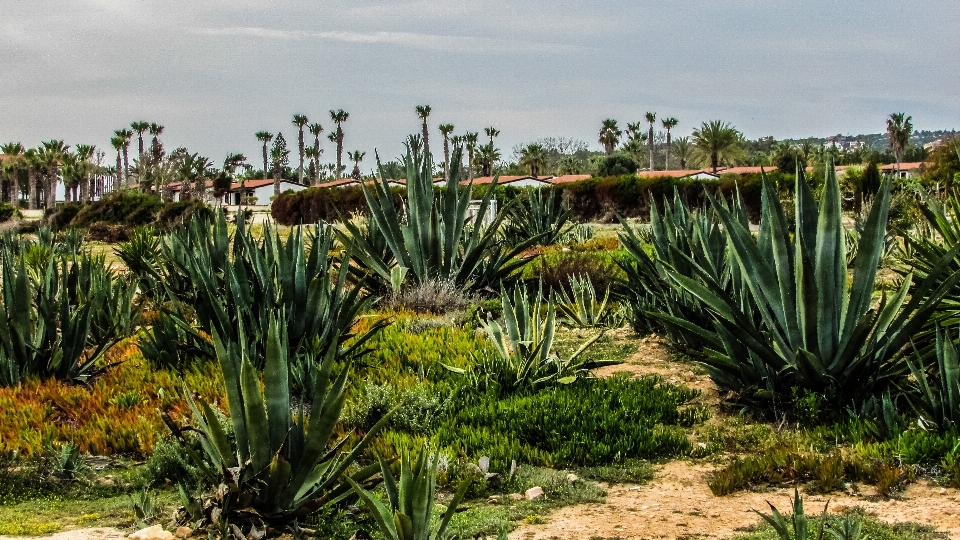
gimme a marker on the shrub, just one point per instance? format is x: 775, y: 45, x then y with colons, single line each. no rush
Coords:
x: 317, y: 204
x: 109, y: 234
x: 432, y: 297
x: 555, y: 269
x: 617, y: 166
x: 588, y: 422
x: 123, y: 207
x: 175, y: 214
x: 8, y: 212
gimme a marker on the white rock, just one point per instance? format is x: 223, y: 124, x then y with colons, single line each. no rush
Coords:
x: 534, y: 492
x: 152, y: 533
x: 572, y: 477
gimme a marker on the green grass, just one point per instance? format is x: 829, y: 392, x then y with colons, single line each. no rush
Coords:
x: 608, y: 347
x: 53, y: 513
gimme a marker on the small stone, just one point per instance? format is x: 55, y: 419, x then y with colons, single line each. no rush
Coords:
x: 106, y: 480
x: 534, y: 492
x: 183, y: 532
x: 516, y: 497
x: 572, y: 477
x: 151, y: 533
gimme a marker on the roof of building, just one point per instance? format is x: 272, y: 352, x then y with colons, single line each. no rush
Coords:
x: 674, y: 174
x: 503, y: 180
x: 567, y: 178
x: 909, y: 166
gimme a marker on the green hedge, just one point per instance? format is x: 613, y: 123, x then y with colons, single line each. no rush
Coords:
x: 317, y: 204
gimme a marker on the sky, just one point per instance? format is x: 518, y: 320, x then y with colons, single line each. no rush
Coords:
x: 214, y: 72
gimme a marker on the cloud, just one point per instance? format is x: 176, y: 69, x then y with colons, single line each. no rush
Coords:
x: 415, y: 40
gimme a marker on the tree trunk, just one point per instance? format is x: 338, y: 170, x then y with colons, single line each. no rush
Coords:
x: 126, y: 167
x: 84, y: 190
x: 300, y: 172
x: 265, y: 160
x: 339, y: 151
x: 667, y: 161
x: 650, y: 142
x: 446, y: 159
x: 52, y: 190
x: 470, y: 163
x: 116, y: 178
x: 31, y: 190
x: 714, y: 162
x: 276, y: 183
x: 426, y: 139
x: 14, y: 189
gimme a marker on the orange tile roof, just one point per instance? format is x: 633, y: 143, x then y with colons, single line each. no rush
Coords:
x: 672, y: 174
x: 567, y: 178
x: 907, y: 166
x: 503, y: 180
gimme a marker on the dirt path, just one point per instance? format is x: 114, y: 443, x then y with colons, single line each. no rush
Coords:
x: 678, y: 504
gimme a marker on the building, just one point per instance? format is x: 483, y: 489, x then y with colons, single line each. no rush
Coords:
x: 907, y: 170
x: 258, y: 192
x: 513, y: 181
x: 692, y: 174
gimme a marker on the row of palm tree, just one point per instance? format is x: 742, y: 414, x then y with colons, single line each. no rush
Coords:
x: 610, y: 135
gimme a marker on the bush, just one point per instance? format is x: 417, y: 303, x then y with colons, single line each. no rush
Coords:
x: 318, y: 204
x: 124, y: 207
x: 59, y: 217
x: 554, y: 269
x: 432, y: 297
x: 588, y: 422
x: 107, y: 233
x: 617, y: 166
x: 174, y: 214
x: 8, y: 212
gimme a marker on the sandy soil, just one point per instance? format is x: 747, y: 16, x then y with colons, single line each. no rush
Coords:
x: 90, y: 533
x: 678, y: 503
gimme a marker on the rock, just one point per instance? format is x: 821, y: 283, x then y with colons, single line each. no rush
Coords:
x: 183, y: 532
x: 106, y: 480
x: 572, y: 477
x: 534, y: 492
x: 151, y: 533
x: 516, y: 497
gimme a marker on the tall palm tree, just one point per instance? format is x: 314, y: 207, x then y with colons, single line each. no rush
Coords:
x: 609, y: 135
x: 470, y: 141
x: 265, y: 137
x: 668, y: 124
x: 899, y: 128
x: 534, y: 156
x: 356, y: 157
x: 682, y: 149
x: 634, y: 147
x: 487, y: 157
x: 315, y: 130
x: 52, y: 154
x: 280, y: 157
x: 651, y: 118
x: 126, y: 134
x: 155, y: 147
x: 339, y: 117
x: 423, y: 111
x: 85, y: 169
x: 313, y: 155
x: 118, y: 143
x: 300, y: 121
x: 446, y: 130
x: 140, y: 128
x: 10, y: 168
x: 716, y: 141
x: 33, y: 164
x: 491, y: 132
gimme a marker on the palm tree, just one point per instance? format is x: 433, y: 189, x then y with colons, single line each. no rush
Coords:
x: 609, y: 135
x: 651, y: 118
x: 52, y: 153
x: 126, y: 135
x: 118, y: 143
x: 423, y: 111
x: 10, y: 167
x: 155, y: 147
x: 280, y: 157
x: 899, y: 128
x: 715, y: 141
x: 534, y: 156
x: 491, y: 132
x: 84, y: 169
x: 315, y: 130
x: 265, y: 137
x: 300, y: 121
x: 445, y: 130
x: 313, y: 156
x: 682, y: 148
x: 339, y: 117
x: 33, y: 164
x: 140, y: 127
x: 470, y: 140
x: 668, y: 124
x: 356, y: 157
x: 487, y: 157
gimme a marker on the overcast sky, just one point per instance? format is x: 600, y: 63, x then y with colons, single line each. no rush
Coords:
x: 215, y: 72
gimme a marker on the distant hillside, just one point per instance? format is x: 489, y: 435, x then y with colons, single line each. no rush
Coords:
x: 877, y: 141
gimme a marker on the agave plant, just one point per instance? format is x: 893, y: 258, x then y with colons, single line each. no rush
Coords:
x: 523, y: 356
x: 581, y: 308
x: 797, y: 324
x: 408, y: 514
x: 233, y: 281
x: 923, y: 252
x: 537, y: 213
x: 438, y: 240
x: 281, y: 465
x: 677, y: 236
x: 937, y: 400
x: 59, y: 321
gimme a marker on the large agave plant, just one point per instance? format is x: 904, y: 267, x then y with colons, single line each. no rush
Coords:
x: 523, y: 357
x: 235, y: 281
x: 538, y: 213
x: 937, y: 399
x: 58, y: 320
x: 797, y: 323
x: 677, y: 235
x: 923, y: 252
x: 408, y: 512
x: 284, y: 462
x: 433, y: 236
